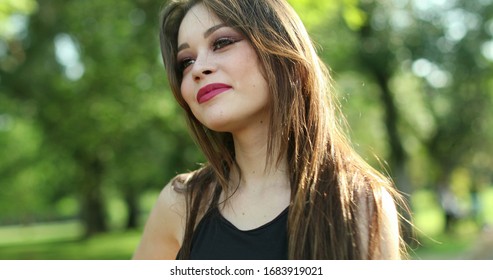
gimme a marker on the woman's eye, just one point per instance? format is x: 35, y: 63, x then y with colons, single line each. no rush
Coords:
x: 184, y: 63
x: 223, y: 42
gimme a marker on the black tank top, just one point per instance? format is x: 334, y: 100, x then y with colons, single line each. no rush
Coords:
x: 215, y: 238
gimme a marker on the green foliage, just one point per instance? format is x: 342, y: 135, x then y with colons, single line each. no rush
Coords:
x: 94, y: 113
x: 11, y: 11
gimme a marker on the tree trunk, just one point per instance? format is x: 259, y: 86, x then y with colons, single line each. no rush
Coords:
x: 380, y: 63
x: 92, y: 200
x: 131, y: 199
x: 398, y: 157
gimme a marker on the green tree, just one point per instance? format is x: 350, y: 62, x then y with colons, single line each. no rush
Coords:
x: 435, y: 42
x: 90, y: 80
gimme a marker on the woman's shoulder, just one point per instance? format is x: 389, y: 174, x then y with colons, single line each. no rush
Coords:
x: 164, y: 229
x: 377, y: 204
x: 175, y: 190
x: 177, y: 195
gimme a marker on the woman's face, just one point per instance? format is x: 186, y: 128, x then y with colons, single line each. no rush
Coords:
x: 222, y: 79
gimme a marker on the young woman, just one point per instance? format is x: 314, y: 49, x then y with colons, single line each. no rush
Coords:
x: 281, y: 181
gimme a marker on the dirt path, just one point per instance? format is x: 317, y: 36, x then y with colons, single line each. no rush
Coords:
x: 483, y: 249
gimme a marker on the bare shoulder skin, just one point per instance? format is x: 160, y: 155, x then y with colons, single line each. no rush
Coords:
x: 164, y: 229
x: 389, y: 248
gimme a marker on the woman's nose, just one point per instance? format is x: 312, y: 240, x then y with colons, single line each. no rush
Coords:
x: 202, y: 67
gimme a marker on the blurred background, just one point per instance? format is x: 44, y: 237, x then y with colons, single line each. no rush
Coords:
x: 90, y: 133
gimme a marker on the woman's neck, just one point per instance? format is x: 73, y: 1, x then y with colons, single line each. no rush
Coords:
x: 257, y: 169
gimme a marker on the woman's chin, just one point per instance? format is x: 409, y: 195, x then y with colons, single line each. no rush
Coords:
x: 217, y: 125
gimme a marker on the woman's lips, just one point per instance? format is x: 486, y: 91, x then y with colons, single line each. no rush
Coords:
x: 209, y: 91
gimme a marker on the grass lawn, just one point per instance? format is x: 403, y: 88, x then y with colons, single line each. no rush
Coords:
x: 63, y: 242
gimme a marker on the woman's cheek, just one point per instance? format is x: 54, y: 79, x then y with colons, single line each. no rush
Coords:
x: 186, y: 93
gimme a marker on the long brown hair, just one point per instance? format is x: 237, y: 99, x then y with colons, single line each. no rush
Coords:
x: 327, y: 178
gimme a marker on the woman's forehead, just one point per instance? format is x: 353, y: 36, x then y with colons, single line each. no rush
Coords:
x: 197, y: 20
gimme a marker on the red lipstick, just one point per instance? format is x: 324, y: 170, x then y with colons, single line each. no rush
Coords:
x: 209, y: 91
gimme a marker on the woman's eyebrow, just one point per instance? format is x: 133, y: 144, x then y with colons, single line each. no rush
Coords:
x: 183, y: 46
x: 207, y: 33
x: 211, y: 30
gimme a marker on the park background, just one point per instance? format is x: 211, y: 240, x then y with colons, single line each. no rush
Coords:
x: 90, y: 133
